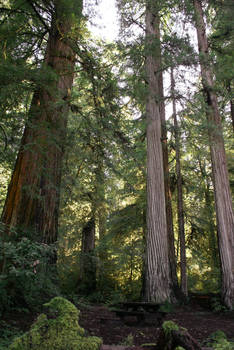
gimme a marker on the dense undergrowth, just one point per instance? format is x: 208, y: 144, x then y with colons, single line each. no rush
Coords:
x: 29, y: 279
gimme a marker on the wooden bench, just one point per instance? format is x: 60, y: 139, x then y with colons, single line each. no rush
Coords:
x: 123, y: 314
x: 139, y: 306
x: 139, y: 313
x: 204, y: 300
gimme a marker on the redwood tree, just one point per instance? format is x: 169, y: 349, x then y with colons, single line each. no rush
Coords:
x: 223, y: 201
x: 180, y: 203
x: 88, y: 265
x: 32, y: 201
x: 158, y: 286
x: 168, y: 196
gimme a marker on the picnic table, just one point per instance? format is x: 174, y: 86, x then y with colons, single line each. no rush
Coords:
x: 142, y: 312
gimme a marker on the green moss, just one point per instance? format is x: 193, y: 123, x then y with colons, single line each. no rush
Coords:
x: 150, y: 345
x: 219, y: 341
x: 58, y: 329
x: 169, y: 326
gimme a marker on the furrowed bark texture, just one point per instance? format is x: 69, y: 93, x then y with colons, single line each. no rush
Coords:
x: 223, y: 201
x: 213, y: 247
x: 32, y: 201
x: 169, y: 214
x: 180, y: 204
x: 101, y: 218
x: 231, y: 105
x: 232, y: 112
x: 158, y: 283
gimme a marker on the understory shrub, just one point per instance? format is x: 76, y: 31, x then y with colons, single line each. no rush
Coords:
x: 27, y: 277
x: 7, y: 333
x: 218, y: 341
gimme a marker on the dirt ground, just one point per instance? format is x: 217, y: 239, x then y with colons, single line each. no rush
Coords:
x: 100, y: 321
x: 201, y: 323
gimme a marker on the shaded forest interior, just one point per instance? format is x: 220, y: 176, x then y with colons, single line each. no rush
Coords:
x: 116, y: 158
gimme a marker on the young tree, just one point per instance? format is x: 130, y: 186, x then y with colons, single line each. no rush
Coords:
x: 32, y: 201
x: 223, y: 201
x: 158, y: 286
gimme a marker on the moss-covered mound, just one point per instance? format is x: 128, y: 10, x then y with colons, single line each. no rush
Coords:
x: 58, y: 329
x: 173, y: 337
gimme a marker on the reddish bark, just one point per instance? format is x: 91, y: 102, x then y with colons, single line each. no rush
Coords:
x: 180, y: 204
x: 222, y: 192
x: 169, y: 213
x: 87, y: 263
x: 32, y: 201
x: 158, y: 285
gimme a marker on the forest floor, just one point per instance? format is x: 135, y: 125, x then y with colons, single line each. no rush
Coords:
x: 200, y: 323
x: 101, y: 321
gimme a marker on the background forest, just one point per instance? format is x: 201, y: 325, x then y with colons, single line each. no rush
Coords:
x: 102, y: 144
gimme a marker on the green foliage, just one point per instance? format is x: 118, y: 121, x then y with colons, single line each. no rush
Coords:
x: 217, y: 305
x: 168, y: 327
x: 202, y: 277
x: 58, y: 329
x: 167, y: 307
x: 100, y: 181
x: 8, y: 332
x: 128, y: 341
x: 27, y: 277
x: 219, y: 341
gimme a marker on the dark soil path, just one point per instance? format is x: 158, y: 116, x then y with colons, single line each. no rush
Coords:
x: 201, y: 323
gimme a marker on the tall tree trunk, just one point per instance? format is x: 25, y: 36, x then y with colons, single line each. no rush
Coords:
x: 32, y: 201
x: 169, y: 213
x: 91, y: 273
x: 143, y: 269
x: 211, y: 227
x: 87, y: 263
x: 232, y: 113
x: 180, y: 204
x: 101, y: 207
x: 100, y: 196
x: 231, y: 104
x: 158, y: 282
x: 223, y: 202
